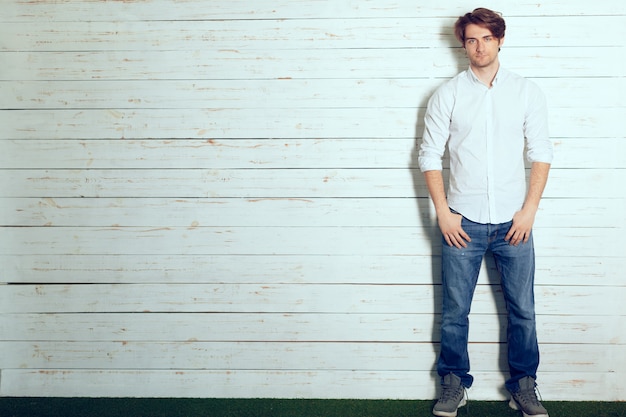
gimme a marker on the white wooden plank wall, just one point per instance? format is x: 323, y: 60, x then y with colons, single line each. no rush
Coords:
x: 220, y: 199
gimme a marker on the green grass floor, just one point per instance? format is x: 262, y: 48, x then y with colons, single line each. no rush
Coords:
x: 147, y: 407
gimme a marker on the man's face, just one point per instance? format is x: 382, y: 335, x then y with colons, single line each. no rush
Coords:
x: 481, y: 46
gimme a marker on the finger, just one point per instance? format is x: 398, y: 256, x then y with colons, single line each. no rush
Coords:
x: 452, y: 241
x: 459, y: 241
x: 513, y: 238
x: 519, y: 238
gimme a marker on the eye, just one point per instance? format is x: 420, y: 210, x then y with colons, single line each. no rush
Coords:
x: 471, y: 41
x: 488, y: 38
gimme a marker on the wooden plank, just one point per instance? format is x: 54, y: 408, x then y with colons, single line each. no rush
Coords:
x: 71, y: 11
x: 323, y: 212
x: 223, y: 123
x: 230, y: 64
x: 276, y: 356
x: 291, y: 298
x: 567, y: 386
x: 202, y: 240
x: 233, y: 298
x: 272, y: 183
x: 269, y: 241
x: 242, y: 269
x: 279, y: 93
x: 214, y: 183
x: 245, y: 123
x: 198, y: 93
x: 223, y: 212
x: 572, y: 153
x: 283, y: 327
x: 235, y: 34
x: 411, y: 32
x: 310, y: 63
x: 202, y: 153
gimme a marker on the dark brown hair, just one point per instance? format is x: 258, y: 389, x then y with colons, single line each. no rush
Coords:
x: 482, y: 17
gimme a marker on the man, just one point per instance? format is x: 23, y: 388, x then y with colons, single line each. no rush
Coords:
x: 487, y: 117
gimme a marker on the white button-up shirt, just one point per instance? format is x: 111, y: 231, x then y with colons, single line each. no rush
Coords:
x: 486, y: 131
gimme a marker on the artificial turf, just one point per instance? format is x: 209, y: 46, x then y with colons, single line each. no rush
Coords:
x: 177, y: 407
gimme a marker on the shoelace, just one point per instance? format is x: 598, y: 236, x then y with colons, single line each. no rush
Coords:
x: 451, y: 393
x: 530, y: 396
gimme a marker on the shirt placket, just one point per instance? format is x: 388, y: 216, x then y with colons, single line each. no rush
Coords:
x: 489, y: 139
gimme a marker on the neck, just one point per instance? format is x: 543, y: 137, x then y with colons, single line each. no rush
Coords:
x: 486, y: 74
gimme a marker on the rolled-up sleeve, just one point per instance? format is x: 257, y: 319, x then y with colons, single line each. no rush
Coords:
x: 538, y: 143
x: 436, y: 131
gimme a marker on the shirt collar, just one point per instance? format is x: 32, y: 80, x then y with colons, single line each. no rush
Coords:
x: 496, y: 79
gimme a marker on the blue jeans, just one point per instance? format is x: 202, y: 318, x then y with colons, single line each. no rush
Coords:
x: 460, y: 269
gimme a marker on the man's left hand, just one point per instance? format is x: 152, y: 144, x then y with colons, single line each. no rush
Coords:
x: 522, y: 226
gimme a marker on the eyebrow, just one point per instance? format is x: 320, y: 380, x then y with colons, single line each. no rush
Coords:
x: 486, y: 36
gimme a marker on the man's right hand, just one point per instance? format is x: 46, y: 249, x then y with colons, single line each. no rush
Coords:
x: 453, y: 233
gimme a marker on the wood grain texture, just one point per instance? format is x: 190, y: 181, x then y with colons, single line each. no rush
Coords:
x: 292, y: 327
x: 222, y: 200
x: 370, y: 153
x: 337, y: 356
x: 277, y: 93
x: 295, y: 212
x: 332, y: 33
x: 301, y: 241
x: 283, y: 9
x: 602, y: 61
x: 290, y: 384
x: 356, y: 269
x: 245, y: 123
x: 288, y: 298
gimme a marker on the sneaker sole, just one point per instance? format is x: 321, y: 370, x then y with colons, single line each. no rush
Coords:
x: 513, y: 404
x: 452, y: 413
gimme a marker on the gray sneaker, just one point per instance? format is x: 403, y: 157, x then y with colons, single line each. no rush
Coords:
x: 452, y: 397
x: 526, y: 399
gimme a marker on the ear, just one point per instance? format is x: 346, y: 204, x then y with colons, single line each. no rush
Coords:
x: 501, y: 41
